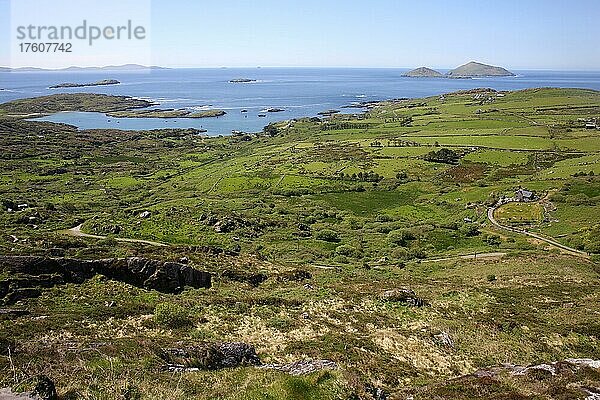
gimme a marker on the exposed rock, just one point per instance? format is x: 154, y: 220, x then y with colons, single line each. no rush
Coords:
x: 253, y: 280
x: 12, y: 312
x: 444, y: 339
x: 210, y: 356
x: 145, y: 214
x: 302, y: 367
x: 296, y: 275
x: 569, y: 378
x: 28, y: 274
x: 275, y: 110
x: 403, y: 295
x: 44, y: 390
x: 242, y: 80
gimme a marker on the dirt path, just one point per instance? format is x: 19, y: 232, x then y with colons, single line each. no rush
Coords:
x: 475, y: 256
x: 550, y: 241
x: 76, y: 231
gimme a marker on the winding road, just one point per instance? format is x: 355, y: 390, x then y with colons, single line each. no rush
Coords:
x: 550, y: 241
x: 76, y: 231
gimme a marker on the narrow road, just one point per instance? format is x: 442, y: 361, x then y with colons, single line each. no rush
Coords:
x: 550, y: 241
x: 476, y: 256
x: 76, y: 231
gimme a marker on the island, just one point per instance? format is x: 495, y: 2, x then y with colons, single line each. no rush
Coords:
x: 104, y: 82
x: 112, y: 106
x: 83, y: 102
x: 242, y: 80
x: 328, y: 112
x: 475, y: 69
x: 423, y: 72
x: 167, y: 113
x: 275, y: 110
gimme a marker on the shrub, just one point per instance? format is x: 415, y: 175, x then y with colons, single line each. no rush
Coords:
x: 171, y: 315
x: 346, y: 250
x: 401, y: 237
x: 327, y: 235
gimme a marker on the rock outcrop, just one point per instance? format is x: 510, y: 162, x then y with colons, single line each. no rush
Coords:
x: 44, y: 390
x: 28, y: 274
x: 403, y: 295
x: 210, y: 356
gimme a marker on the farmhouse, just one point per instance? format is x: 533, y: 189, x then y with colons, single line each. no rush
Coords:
x: 523, y: 195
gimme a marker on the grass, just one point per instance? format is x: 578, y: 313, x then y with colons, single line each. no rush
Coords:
x: 520, y: 213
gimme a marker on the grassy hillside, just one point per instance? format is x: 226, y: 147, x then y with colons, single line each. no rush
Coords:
x: 359, y: 204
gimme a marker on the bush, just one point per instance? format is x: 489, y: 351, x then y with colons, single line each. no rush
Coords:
x: 171, y: 315
x: 401, y: 237
x: 346, y: 250
x: 327, y: 235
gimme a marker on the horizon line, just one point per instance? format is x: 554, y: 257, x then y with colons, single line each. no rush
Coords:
x: 142, y: 67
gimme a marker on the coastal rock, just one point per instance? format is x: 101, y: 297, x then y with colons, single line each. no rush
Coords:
x: 29, y: 274
x: 242, y: 80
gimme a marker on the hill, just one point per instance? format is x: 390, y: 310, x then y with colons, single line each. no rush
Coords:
x: 423, y: 72
x: 475, y: 69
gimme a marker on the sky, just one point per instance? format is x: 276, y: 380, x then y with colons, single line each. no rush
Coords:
x: 523, y: 34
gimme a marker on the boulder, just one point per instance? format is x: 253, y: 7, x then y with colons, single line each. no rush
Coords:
x: 210, y: 356
x: 403, y: 295
x: 44, y: 390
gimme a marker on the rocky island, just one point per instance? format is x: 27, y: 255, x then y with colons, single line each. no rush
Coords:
x: 472, y: 69
x: 104, y: 82
x: 167, y: 113
x: 242, y: 80
x: 475, y: 69
x: 423, y: 72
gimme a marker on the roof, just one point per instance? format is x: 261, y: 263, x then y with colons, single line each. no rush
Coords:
x: 525, y: 193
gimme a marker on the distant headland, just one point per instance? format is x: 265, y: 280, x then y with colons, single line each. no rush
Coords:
x: 472, y: 69
x: 125, y: 67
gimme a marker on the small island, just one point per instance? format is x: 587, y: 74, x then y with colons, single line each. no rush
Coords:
x: 328, y: 112
x: 167, y: 113
x: 275, y: 110
x: 242, y: 80
x: 478, y: 70
x: 423, y: 72
x: 104, y: 82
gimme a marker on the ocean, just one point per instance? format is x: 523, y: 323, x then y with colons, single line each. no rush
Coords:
x: 299, y: 91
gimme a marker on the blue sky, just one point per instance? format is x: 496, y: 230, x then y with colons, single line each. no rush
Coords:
x: 524, y: 34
